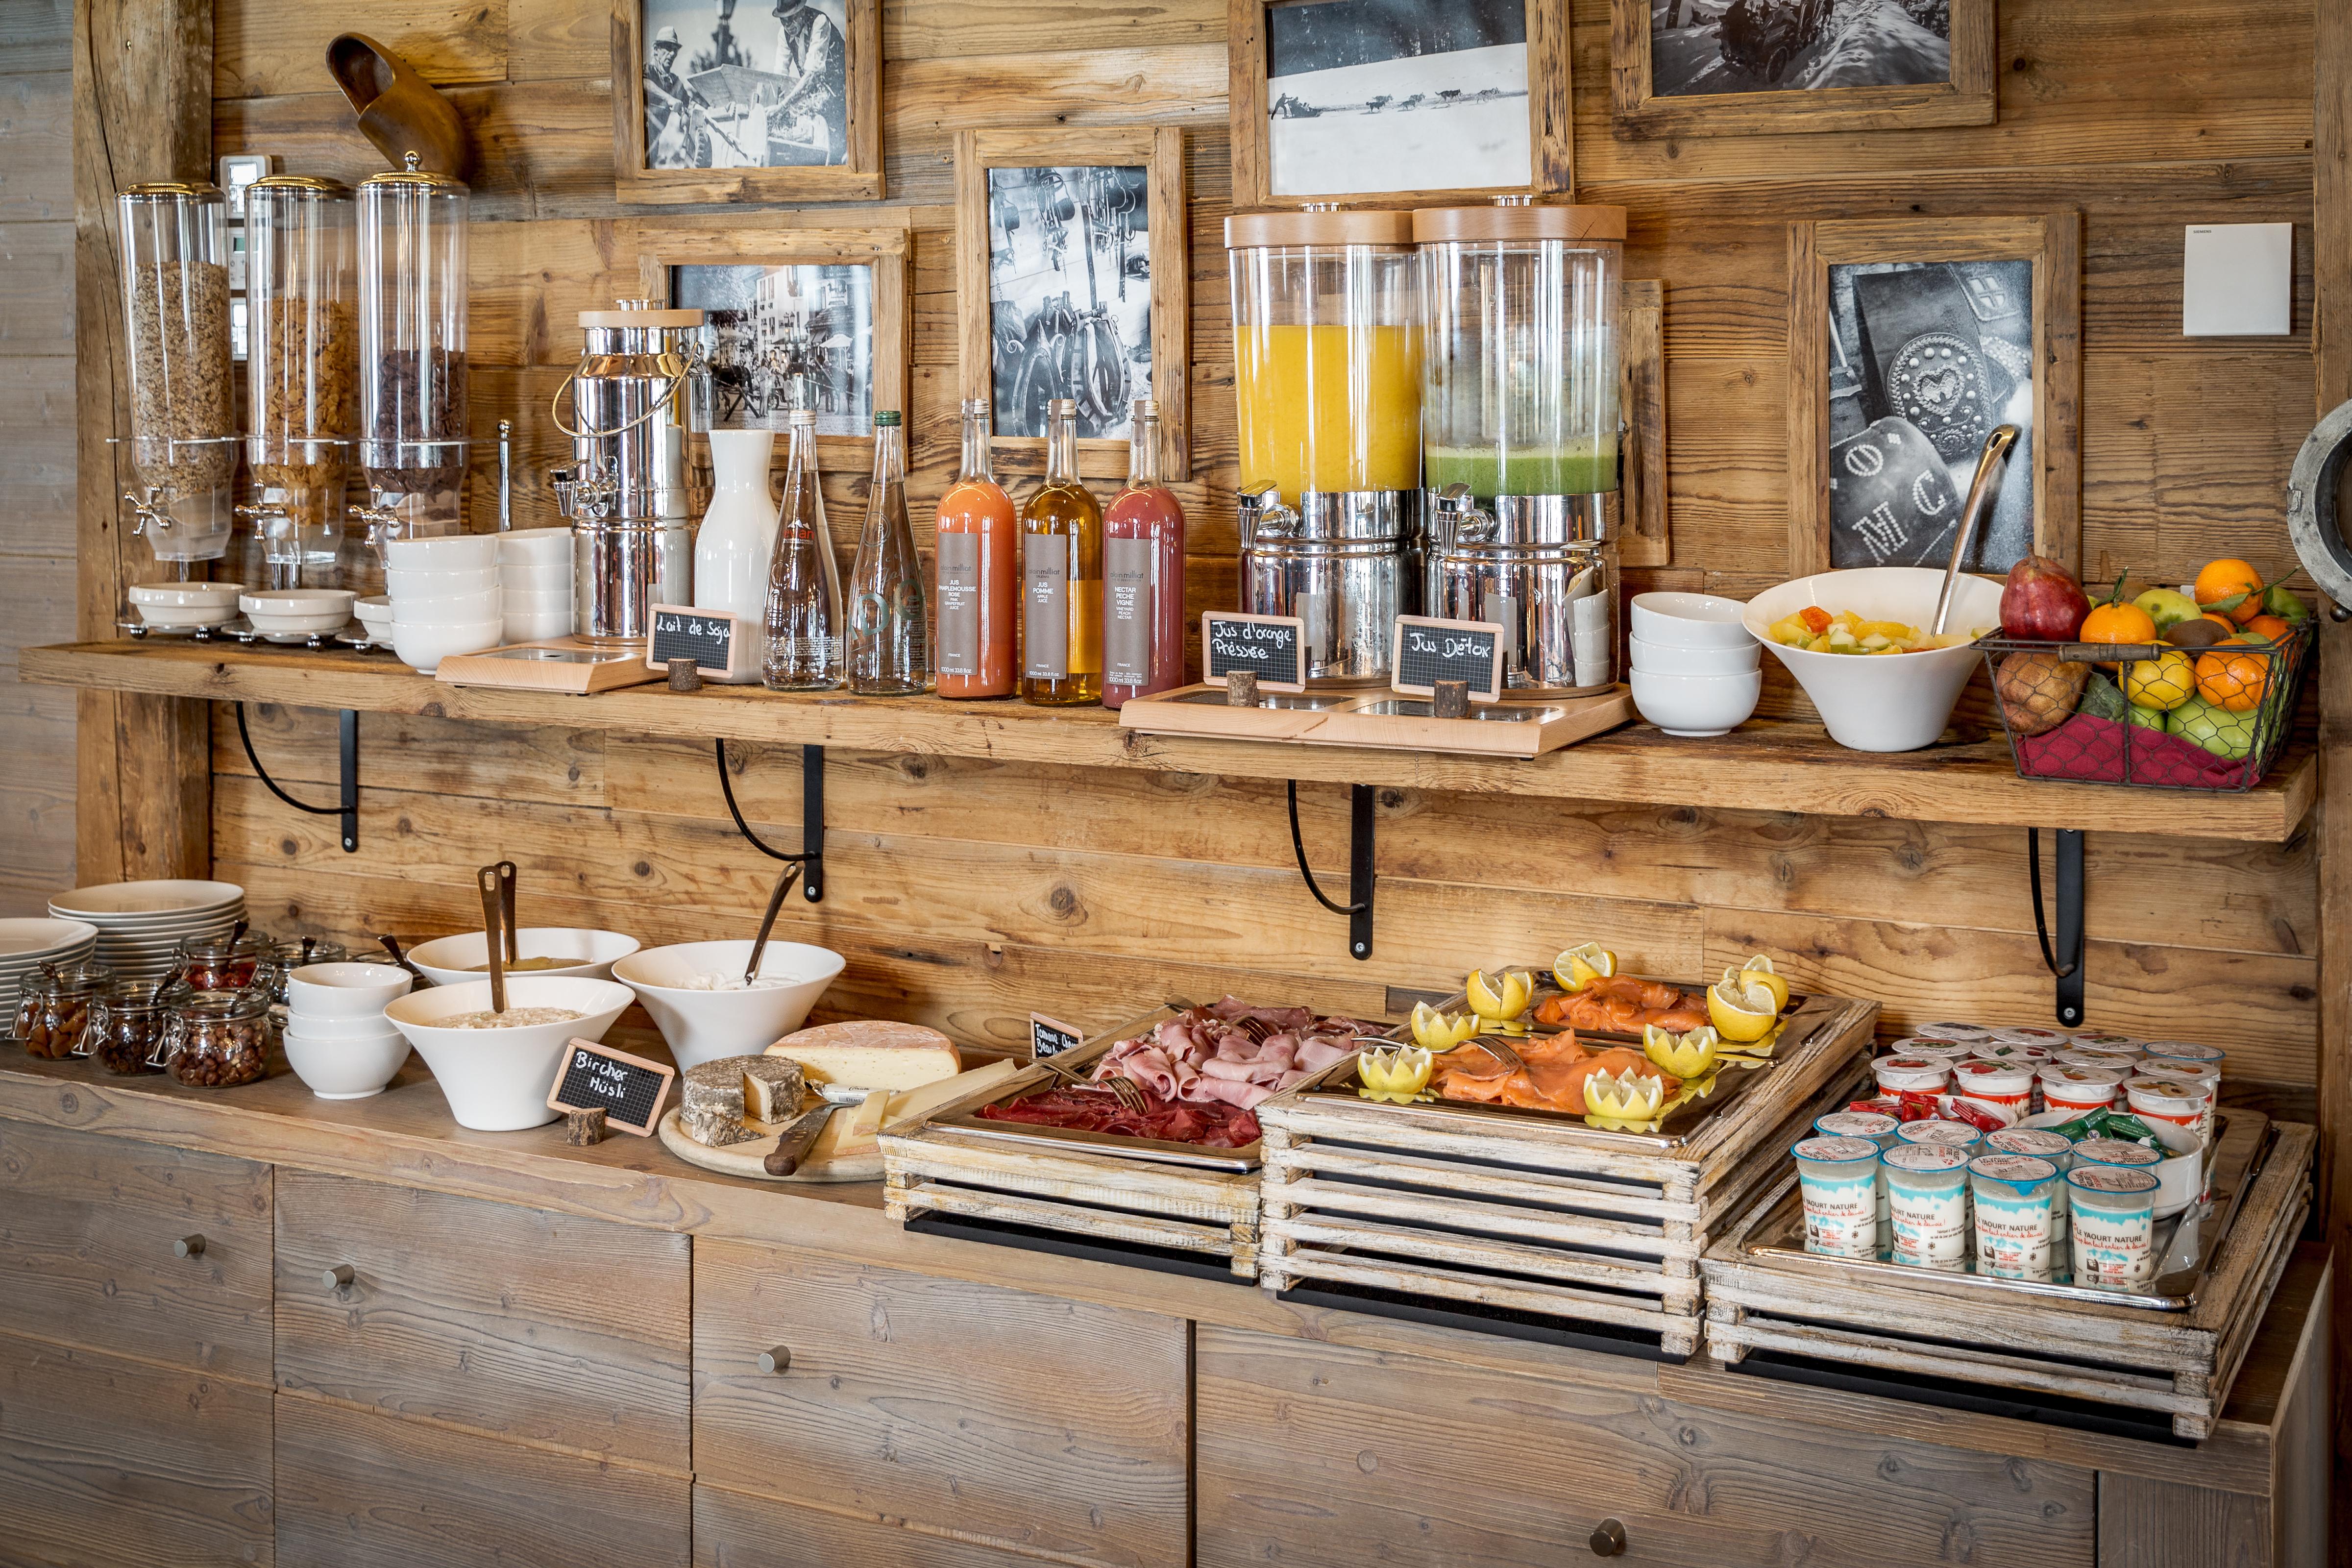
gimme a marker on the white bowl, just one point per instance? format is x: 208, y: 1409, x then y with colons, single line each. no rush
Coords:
x: 281, y: 626
x: 400, y: 585
x: 512, y: 598
x: 323, y: 991
x: 448, y: 609
x: 374, y: 611
x: 1665, y: 658
x: 291, y: 602
x: 1696, y: 704
x: 1690, y: 620
x: 346, y: 1069
x: 181, y: 617
x: 543, y: 628
x: 451, y: 960
x: 1882, y: 702
x: 445, y: 553
x: 703, y: 1026
x: 187, y: 595
x: 535, y: 547
x: 338, y: 1031
x: 496, y: 1080
x: 423, y: 649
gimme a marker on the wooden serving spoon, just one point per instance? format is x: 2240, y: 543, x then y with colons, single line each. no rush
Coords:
x: 493, y: 940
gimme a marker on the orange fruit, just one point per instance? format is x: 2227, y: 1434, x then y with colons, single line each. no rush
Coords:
x: 2224, y: 621
x: 2269, y: 628
x: 2227, y: 578
x: 2118, y: 623
x: 2235, y: 681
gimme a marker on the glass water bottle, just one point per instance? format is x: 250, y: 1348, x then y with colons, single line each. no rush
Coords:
x: 889, y: 647
x: 803, y: 647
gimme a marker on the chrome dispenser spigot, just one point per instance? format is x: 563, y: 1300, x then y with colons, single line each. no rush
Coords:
x: 1455, y: 514
x: 1264, y: 515
x: 152, y: 518
x: 586, y: 491
x: 506, y: 475
x: 380, y: 522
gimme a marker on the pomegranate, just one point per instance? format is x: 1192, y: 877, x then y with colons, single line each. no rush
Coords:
x: 2042, y: 602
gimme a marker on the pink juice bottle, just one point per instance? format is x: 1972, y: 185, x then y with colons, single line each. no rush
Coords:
x: 1143, y: 574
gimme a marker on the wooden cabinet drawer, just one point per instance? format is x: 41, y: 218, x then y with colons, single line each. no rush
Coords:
x: 518, y: 1322
x: 107, y: 1463
x: 1050, y: 1425
x: 1313, y: 1455
x: 735, y: 1529
x: 88, y: 1227
x: 357, y: 1491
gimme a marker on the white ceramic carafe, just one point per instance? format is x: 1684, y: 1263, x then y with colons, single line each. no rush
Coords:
x: 739, y: 532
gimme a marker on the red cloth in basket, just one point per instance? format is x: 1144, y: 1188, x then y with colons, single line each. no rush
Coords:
x: 2091, y: 748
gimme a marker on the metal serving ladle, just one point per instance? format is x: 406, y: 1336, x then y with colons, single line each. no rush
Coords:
x: 1983, y: 490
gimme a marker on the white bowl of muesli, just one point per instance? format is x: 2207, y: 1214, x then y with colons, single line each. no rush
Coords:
x: 496, y: 1068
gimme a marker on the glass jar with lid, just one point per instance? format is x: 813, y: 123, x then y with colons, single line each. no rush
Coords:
x: 230, y: 961
x: 286, y: 957
x: 175, y: 314
x: 53, y: 1013
x: 127, y: 1025
x: 301, y: 369
x: 412, y: 299
x: 216, y: 1039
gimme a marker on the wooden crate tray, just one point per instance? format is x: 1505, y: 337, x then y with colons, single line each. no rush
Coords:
x: 1514, y: 725
x: 1539, y: 1213
x: 2179, y: 1364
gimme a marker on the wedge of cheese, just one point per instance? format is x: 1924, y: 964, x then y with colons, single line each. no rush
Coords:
x: 871, y: 1053
x: 719, y: 1097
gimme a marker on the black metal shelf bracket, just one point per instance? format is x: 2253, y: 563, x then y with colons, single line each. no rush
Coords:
x: 2071, y: 938
x: 811, y: 855
x: 1359, y: 908
x: 349, y: 808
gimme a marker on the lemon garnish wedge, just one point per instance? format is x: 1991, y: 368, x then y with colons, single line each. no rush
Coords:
x: 1579, y: 966
x: 1686, y: 1056
x: 1757, y: 970
x: 1501, y: 999
x: 1742, y: 1015
x: 1630, y: 1096
x: 1436, y: 1031
x: 1394, y: 1073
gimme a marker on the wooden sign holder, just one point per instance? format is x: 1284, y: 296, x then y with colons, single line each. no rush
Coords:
x: 571, y: 664
x: 1371, y: 719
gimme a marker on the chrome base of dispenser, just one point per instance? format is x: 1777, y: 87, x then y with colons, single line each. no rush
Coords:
x: 1346, y: 564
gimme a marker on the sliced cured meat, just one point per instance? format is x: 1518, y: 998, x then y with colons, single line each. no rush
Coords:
x: 1211, y: 1125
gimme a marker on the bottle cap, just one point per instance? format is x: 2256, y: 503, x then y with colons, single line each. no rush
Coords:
x: 1146, y: 408
x: 1061, y: 408
x: 886, y: 419
x: 975, y: 406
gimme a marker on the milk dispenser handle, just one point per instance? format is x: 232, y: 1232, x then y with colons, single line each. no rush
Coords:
x: 555, y: 405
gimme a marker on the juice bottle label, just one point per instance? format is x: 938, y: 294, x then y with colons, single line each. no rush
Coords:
x: 960, y: 596
x: 1127, y: 612
x: 1045, y: 607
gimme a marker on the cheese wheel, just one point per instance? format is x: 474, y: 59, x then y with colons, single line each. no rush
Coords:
x: 871, y: 1053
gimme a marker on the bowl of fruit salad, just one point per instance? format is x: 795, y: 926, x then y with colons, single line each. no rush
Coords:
x: 1858, y: 643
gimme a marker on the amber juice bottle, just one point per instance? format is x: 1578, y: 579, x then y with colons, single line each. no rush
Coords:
x: 1061, y: 576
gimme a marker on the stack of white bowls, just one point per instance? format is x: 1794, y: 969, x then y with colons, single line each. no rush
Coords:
x: 535, y: 574
x: 297, y: 615
x: 375, y: 614
x: 1696, y: 669
x: 444, y: 597
x: 27, y: 943
x: 185, y: 607
x: 337, y: 1038
x: 141, y: 925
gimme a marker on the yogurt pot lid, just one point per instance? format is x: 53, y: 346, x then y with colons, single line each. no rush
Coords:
x: 2112, y: 1179
x: 2011, y: 1051
x: 1952, y: 1135
x: 2168, y: 1088
x: 2067, y: 1072
x: 2022, y: 1037
x: 2035, y: 1141
x: 2184, y: 1050
x: 1951, y: 1031
x: 2016, y: 1170
x: 1926, y: 1157
x: 2115, y: 1152
x: 1910, y: 1064
x: 1855, y: 1124
x: 2204, y: 1074
x: 1836, y: 1150
x: 1996, y: 1076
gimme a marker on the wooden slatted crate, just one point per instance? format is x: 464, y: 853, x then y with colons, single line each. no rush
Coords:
x: 1533, y: 1214
x: 2177, y: 1363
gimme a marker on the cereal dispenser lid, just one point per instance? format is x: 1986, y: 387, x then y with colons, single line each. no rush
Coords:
x: 640, y: 313
x: 170, y: 191
x: 1319, y: 225
x: 1517, y: 218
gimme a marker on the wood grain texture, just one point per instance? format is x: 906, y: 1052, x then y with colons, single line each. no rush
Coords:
x: 2143, y: 1525
x: 499, y: 1319
x: 1648, y: 537
x: 106, y: 1461
x: 86, y: 1250
x: 737, y: 1530
x: 1008, y: 1449
x: 349, y: 1494
x: 258, y: 52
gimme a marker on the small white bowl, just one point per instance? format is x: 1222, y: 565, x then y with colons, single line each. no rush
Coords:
x: 703, y: 1026
x: 1696, y: 704
x: 452, y: 960
x: 445, y: 553
x: 339, y: 1031
x: 180, y: 617
x: 399, y: 586
x: 1690, y: 620
x: 423, y: 649
x: 292, y: 602
x: 496, y: 1080
x: 1665, y: 658
x: 538, y: 628
x: 447, y: 610
x: 556, y: 598
x: 535, y: 547
x: 324, y: 991
x: 374, y: 609
x: 187, y: 595
x: 297, y: 628
x: 555, y: 586
x: 346, y: 1069
x: 1882, y: 702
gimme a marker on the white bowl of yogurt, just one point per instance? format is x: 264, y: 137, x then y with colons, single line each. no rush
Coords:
x: 695, y: 994
x: 496, y: 1071
x: 571, y: 951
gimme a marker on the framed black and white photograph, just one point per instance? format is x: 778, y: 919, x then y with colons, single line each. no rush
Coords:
x: 746, y: 99
x: 1071, y: 282
x: 1696, y: 67
x: 1397, y: 98
x: 1911, y: 340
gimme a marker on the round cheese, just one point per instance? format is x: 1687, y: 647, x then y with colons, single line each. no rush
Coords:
x: 871, y: 1053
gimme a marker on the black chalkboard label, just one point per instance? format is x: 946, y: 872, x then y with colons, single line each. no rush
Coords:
x: 1050, y: 1038
x: 1428, y: 651
x: 702, y: 636
x: 628, y: 1089
x: 1268, y: 647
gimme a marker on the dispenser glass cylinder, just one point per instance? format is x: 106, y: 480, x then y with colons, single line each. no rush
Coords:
x: 301, y: 369
x: 412, y: 277
x: 176, y: 311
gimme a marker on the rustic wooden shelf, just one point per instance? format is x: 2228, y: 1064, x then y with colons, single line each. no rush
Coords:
x: 1766, y: 766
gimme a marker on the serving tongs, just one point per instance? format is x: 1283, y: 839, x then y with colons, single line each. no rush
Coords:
x: 1129, y: 1092
x: 498, y: 889
x: 1983, y: 490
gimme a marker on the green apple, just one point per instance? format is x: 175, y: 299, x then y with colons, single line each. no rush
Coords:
x: 2287, y: 604
x: 2141, y: 718
x: 2167, y: 608
x: 2225, y: 734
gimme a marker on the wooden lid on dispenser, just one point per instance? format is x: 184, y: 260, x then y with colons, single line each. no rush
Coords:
x: 1517, y: 218
x: 1319, y: 225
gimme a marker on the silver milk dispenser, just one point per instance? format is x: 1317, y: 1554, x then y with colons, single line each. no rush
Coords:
x: 624, y: 489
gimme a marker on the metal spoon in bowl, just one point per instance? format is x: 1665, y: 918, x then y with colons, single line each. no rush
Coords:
x: 768, y: 922
x: 1983, y: 490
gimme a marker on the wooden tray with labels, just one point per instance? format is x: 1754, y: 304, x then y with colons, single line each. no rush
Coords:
x: 1511, y: 726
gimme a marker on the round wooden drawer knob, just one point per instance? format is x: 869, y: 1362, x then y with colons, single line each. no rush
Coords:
x: 337, y: 1278
x: 1608, y: 1539
x: 188, y: 1247
x: 777, y: 1359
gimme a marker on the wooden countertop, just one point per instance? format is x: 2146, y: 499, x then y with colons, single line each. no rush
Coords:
x: 1768, y: 765
x: 405, y: 1136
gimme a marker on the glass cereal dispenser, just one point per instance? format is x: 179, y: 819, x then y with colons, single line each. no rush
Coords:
x: 1521, y: 430
x: 302, y: 369
x: 412, y: 255
x: 175, y: 319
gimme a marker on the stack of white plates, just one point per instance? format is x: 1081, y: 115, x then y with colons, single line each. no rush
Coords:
x: 27, y: 943
x: 140, y: 924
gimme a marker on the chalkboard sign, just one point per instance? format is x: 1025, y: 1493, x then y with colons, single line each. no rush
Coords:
x: 1049, y: 1038
x: 1429, y: 650
x: 1268, y: 647
x: 628, y: 1089
x: 722, y: 646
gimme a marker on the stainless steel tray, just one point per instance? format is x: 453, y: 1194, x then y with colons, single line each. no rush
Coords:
x: 2185, y: 1244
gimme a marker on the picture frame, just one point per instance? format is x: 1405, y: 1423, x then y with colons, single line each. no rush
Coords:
x: 794, y: 240
x: 856, y: 176
x: 1060, y: 272
x: 1642, y: 111
x: 1550, y: 120
x: 2051, y: 245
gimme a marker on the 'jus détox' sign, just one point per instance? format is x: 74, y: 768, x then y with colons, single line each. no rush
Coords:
x: 1429, y: 650
x: 1271, y: 648
x: 628, y: 1089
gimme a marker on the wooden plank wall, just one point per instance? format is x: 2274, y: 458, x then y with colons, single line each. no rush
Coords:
x: 966, y: 893
x: 36, y: 430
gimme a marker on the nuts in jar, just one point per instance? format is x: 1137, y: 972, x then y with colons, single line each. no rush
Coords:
x: 218, y: 1039
x: 229, y: 961
x: 127, y: 1022
x: 55, y: 1012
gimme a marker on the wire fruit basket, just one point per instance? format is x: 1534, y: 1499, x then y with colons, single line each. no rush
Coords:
x: 2148, y: 714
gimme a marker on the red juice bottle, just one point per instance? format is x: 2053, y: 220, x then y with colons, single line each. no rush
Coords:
x: 1143, y: 573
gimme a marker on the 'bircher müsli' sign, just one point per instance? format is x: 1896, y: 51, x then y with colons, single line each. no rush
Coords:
x: 628, y: 1089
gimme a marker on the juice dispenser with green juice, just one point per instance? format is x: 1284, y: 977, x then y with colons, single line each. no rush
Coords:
x: 1521, y: 430
x: 1328, y: 344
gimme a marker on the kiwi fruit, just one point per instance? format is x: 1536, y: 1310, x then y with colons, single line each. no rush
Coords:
x: 2198, y: 633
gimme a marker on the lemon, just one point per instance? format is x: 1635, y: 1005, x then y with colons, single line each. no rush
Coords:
x: 2164, y: 682
x: 1757, y: 970
x: 1580, y: 966
x: 1436, y: 1031
x: 1394, y: 1073
x: 1630, y: 1095
x: 1517, y: 989
x: 1684, y: 1055
x: 1742, y: 1015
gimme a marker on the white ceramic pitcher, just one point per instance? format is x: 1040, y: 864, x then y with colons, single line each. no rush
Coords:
x: 739, y: 532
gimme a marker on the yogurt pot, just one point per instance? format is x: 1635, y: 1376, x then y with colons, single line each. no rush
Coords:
x: 2115, y: 1152
x: 2114, y: 1238
x: 2123, y: 1055
x: 2042, y: 1144
x: 2048, y: 1039
x: 2204, y: 1074
x: 2006, y: 1085
x: 2015, y: 1051
x: 1970, y: 1034
x: 1875, y: 1125
x: 1940, y: 1133
x: 2014, y: 1226
x: 2184, y: 1051
x: 1838, y: 1179
x: 1928, y: 1203
x: 2181, y: 1101
x: 2102, y: 1037
x: 1912, y: 1074
x: 2084, y: 1056
x: 2078, y: 1090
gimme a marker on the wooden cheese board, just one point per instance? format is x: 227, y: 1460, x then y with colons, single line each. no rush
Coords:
x: 849, y: 1150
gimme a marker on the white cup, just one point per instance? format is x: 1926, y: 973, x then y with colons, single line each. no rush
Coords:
x: 448, y: 552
